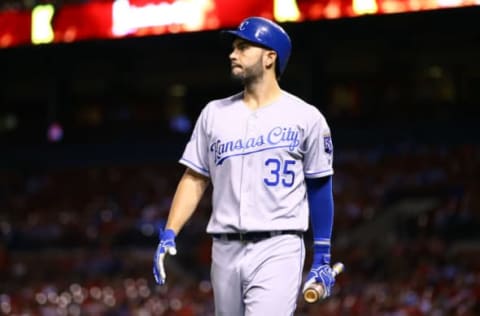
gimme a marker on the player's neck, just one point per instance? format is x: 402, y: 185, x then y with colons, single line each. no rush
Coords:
x: 261, y: 93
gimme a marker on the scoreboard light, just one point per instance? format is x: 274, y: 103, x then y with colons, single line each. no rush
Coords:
x: 365, y: 7
x: 286, y: 10
x: 42, y: 31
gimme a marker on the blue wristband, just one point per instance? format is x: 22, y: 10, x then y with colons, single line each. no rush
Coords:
x: 166, y: 234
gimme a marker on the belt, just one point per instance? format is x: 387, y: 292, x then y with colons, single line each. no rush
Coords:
x: 255, y: 236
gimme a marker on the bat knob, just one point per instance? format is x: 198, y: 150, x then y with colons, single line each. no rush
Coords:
x: 313, y: 293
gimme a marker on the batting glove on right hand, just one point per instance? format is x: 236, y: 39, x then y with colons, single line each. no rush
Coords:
x: 166, y: 246
x: 321, y: 272
x: 324, y: 275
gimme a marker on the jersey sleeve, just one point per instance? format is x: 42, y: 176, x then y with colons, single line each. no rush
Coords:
x: 318, y: 160
x: 195, y: 155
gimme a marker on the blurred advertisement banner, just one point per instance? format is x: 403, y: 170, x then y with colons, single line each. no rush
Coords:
x: 48, y: 23
x: 142, y: 17
x: 80, y: 22
x: 14, y: 28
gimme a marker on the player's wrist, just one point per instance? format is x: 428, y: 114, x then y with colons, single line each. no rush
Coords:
x: 167, y: 234
x: 321, y: 254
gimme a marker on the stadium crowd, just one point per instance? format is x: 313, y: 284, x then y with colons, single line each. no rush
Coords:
x: 80, y: 241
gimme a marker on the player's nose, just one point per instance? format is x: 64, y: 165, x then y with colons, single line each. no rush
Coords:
x: 233, y: 55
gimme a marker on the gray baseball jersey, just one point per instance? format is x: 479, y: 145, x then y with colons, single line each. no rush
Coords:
x: 258, y: 160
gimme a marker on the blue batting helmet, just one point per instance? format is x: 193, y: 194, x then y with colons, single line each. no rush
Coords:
x: 266, y: 33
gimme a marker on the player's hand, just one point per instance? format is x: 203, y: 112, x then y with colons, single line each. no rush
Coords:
x: 321, y: 271
x: 322, y: 274
x: 166, y: 246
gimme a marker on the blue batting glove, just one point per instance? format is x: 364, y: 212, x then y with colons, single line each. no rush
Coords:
x: 321, y: 272
x: 166, y: 246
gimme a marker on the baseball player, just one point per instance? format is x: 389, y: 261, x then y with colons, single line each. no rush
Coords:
x: 268, y: 155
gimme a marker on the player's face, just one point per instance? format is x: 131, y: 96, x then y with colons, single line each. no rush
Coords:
x: 247, y: 61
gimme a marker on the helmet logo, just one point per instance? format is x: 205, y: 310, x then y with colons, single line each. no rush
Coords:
x: 260, y: 33
x: 243, y: 26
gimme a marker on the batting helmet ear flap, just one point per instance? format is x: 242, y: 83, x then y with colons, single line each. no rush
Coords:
x: 266, y: 33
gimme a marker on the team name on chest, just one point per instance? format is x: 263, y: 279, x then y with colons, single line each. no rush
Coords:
x: 277, y: 137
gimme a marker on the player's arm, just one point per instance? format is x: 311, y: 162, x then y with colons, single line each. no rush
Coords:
x: 189, y: 191
x: 320, y: 199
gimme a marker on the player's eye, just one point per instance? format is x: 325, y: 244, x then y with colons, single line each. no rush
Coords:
x: 241, y: 46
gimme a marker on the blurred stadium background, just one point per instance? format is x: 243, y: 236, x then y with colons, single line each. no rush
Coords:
x: 93, y: 118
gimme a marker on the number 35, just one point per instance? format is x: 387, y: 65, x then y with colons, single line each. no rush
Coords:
x: 280, y: 173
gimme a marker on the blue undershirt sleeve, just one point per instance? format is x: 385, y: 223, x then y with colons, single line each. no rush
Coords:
x: 320, y: 200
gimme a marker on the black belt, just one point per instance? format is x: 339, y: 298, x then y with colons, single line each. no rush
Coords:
x: 255, y: 236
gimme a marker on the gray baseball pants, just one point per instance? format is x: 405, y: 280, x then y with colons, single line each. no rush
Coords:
x: 257, y: 278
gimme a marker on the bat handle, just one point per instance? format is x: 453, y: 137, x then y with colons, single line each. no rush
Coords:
x: 314, y: 292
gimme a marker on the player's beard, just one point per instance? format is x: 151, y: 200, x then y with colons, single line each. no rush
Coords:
x: 249, y: 74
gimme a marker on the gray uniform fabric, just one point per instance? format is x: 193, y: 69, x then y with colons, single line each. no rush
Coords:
x: 257, y: 161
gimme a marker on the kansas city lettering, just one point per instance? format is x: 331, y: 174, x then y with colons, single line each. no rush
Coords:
x: 276, y: 137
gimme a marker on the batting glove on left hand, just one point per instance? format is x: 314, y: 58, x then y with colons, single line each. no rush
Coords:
x: 166, y: 246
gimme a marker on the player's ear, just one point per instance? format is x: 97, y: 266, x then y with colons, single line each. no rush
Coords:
x: 270, y: 58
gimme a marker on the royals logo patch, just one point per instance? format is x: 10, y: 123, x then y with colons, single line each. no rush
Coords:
x: 327, y: 144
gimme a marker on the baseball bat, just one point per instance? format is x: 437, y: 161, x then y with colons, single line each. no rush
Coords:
x: 314, y: 291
